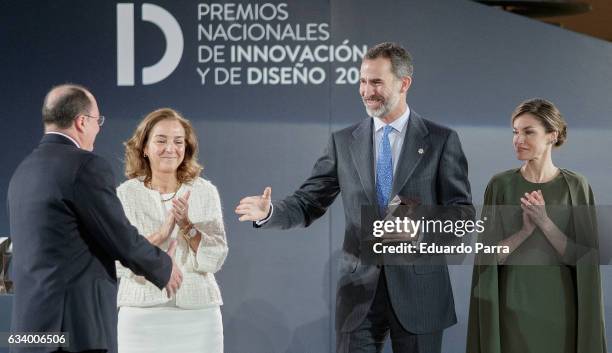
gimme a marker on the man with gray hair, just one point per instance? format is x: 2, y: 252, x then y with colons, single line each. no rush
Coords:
x: 395, y: 153
x: 68, y: 229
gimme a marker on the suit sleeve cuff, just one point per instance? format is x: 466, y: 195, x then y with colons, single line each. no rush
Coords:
x: 261, y: 222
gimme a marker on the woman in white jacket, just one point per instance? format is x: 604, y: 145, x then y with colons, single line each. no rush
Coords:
x: 164, y: 191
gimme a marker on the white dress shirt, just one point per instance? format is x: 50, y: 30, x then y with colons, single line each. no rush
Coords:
x: 396, y: 137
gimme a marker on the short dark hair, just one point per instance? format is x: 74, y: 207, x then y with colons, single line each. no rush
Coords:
x: 401, y: 61
x: 62, y: 107
x: 547, y: 114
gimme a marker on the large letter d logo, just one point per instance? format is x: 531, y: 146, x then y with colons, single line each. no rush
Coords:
x: 125, y: 44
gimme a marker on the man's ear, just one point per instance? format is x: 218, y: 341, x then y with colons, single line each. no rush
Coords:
x: 406, y: 82
x: 79, y: 123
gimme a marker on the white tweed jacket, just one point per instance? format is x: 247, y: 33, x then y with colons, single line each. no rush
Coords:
x: 145, y: 211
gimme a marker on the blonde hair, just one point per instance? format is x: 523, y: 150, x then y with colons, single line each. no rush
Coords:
x: 547, y: 114
x: 136, y: 165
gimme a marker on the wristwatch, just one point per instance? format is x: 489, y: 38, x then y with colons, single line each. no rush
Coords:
x: 190, y: 231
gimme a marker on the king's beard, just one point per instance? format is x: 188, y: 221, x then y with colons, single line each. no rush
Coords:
x: 385, y: 108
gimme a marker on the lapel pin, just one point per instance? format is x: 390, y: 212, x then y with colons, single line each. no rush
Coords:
x: 421, y: 151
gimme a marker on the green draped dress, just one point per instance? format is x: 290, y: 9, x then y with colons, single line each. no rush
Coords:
x: 535, y: 302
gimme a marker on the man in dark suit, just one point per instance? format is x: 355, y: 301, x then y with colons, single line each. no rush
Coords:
x: 68, y: 229
x: 395, y: 153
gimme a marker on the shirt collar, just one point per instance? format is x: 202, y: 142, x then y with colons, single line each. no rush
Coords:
x: 66, y: 136
x: 398, y: 124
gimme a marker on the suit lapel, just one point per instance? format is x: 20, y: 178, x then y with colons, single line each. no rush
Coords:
x: 362, y: 153
x: 416, y: 145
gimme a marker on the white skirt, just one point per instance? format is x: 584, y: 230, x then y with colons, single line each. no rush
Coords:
x: 170, y: 329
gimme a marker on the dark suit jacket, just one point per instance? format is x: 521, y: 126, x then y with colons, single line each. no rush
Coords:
x: 68, y: 228
x: 421, y: 296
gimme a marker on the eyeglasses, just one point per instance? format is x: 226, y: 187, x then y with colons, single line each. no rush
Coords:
x: 100, y: 118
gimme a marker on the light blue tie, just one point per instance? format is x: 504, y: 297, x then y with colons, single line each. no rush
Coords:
x: 384, y: 170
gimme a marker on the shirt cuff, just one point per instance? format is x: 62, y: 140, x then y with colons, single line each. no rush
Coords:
x: 265, y: 220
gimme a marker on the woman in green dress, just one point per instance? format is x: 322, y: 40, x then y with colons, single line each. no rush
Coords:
x: 544, y: 296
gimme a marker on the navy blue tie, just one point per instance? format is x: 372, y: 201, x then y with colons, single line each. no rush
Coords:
x: 384, y: 170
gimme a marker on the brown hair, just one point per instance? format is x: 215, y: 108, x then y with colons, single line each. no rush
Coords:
x: 547, y: 114
x: 136, y: 165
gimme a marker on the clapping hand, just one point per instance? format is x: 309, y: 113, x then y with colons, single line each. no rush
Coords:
x: 255, y: 208
x: 167, y: 227
x: 534, y: 207
x: 160, y: 236
x: 176, y: 277
x: 180, y: 210
x: 528, y: 225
